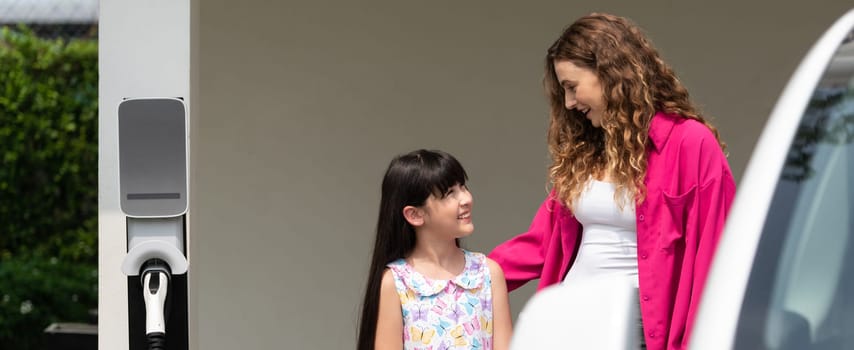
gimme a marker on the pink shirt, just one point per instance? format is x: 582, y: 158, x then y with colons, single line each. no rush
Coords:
x: 689, y: 191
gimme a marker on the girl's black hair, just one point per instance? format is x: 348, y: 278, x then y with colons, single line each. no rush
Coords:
x: 409, y: 180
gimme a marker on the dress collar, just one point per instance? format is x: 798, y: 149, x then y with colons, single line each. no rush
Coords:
x: 471, y: 277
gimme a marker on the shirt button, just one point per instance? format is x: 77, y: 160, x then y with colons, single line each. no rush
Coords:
x: 651, y: 334
x: 645, y: 298
x: 640, y: 217
x: 643, y: 256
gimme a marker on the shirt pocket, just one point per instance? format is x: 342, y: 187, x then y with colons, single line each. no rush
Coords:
x: 674, y: 218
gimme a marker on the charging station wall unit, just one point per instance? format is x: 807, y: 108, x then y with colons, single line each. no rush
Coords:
x: 153, y: 188
x: 153, y: 157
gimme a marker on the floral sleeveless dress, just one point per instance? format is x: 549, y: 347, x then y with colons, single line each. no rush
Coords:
x: 446, y: 314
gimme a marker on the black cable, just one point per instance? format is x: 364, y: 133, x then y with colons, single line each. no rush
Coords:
x: 156, y: 341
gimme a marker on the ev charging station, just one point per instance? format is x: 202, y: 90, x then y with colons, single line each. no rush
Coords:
x: 153, y: 185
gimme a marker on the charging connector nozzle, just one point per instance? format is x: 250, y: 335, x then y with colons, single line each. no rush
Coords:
x: 155, y: 276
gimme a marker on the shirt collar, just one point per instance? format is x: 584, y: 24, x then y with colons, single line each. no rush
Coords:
x: 660, y: 127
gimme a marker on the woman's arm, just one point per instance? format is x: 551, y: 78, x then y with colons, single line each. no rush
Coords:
x: 390, y: 316
x: 501, y: 322
x: 522, y: 257
x: 715, y: 193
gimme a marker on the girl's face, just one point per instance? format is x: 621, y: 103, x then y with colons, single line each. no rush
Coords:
x: 581, y: 90
x: 450, y: 214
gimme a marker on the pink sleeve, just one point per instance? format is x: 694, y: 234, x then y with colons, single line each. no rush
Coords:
x: 522, y: 257
x: 714, y: 198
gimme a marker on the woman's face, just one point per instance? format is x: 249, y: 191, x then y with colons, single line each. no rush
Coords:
x: 581, y: 90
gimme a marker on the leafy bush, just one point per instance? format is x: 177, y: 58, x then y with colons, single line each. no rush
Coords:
x: 37, y: 292
x: 48, y: 183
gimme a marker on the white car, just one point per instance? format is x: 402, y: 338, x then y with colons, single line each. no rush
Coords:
x: 783, y: 274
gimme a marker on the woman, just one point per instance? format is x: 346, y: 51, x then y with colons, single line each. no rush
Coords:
x: 641, y: 185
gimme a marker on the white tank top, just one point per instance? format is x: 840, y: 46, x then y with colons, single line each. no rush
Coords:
x: 609, y: 237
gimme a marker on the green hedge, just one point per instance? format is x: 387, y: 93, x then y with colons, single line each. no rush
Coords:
x: 48, y: 183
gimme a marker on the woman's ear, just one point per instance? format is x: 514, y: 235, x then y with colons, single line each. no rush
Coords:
x: 413, y: 215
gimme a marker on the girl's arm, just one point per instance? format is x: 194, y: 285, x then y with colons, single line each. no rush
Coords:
x: 501, y: 323
x: 390, y: 316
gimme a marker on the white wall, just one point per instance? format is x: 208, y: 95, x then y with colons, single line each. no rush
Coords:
x: 302, y: 104
x: 299, y: 106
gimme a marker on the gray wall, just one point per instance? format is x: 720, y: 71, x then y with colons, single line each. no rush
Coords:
x: 299, y: 106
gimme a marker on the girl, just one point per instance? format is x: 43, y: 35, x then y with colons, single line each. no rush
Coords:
x: 423, y: 291
x: 641, y: 183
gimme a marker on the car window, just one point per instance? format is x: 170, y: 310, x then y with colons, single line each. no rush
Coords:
x: 801, y: 289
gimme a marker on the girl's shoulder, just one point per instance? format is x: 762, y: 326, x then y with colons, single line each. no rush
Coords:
x: 396, y: 264
x: 478, y: 270
x: 399, y: 270
x: 488, y: 266
x: 478, y: 259
x: 472, y: 256
x: 480, y: 263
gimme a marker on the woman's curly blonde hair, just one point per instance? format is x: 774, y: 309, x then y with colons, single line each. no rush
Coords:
x: 636, y: 83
